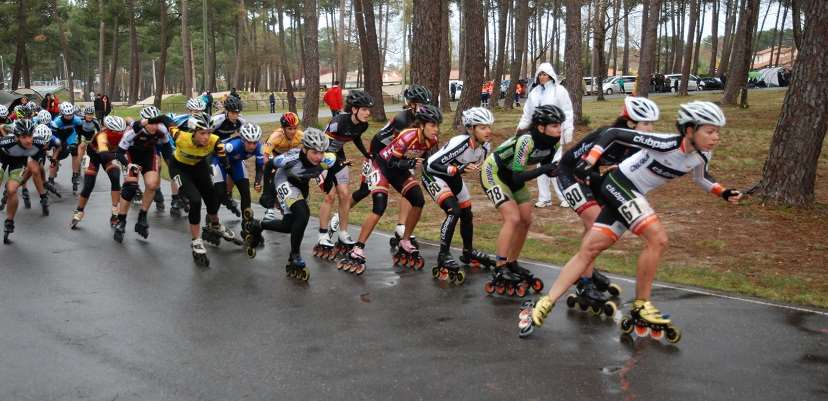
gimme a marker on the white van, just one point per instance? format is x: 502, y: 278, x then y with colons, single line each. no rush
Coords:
x: 692, y: 82
x: 613, y: 84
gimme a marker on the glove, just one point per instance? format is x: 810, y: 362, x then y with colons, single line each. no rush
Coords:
x: 121, y: 157
x: 552, y: 169
x: 581, y: 171
x: 729, y: 193
x: 220, y: 150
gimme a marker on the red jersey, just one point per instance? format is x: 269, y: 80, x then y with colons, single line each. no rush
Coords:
x: 409, y: 144
x: 106, y: 140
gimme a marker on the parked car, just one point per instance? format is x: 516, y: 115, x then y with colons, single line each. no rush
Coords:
x: 590, y: 88
x: 710, y: 83
x: 613, y: 84
x: 692, y: 84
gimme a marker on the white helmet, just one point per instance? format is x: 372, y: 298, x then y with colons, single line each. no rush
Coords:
x: 251, y: 132
x: 66, y: 109
x: 195, y: 104
x: 701, y: 113
x: 43, y: 133
x: 4, y: 111
x: 315, y: 139
x: 150, y: 112
x: 640, y: 109
x: 477, y: 116
x: 115, y: 123
x: 43, y: 117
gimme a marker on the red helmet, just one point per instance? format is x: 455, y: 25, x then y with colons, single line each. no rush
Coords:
x: 289, y: 119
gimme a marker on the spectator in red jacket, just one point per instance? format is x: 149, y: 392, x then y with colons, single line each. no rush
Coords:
x: 50, y: 104
x: 333, y: 98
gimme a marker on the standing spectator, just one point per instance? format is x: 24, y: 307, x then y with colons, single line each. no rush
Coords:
x: 107, y: 105
x: 453, y: 90
x: 99, y: 107
x: 675, y: 85
x: 486, y: 93
x: 519, y: 88
x: 333, y: 98
x: 621, y: 85
x: 207, y: 98
x: 50, y: 104
x: 272, y: 102
x: 547, y: 91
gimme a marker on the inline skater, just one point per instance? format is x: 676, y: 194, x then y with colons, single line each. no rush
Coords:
x: 504, y: 176
x: 393, y: 168
x: 344, y: 128
x: 231, y: 163
x: 15, y: 151
x: 6, y: 124
x: 295, y: 169
x: 194, y: 106
x: 137, y: 152
x: 66, y: 127
x: 443, y: 181
x: 282, y: 140
x: 662, y: 157
x: 226, y: 125
x: 190, y: 168
x: 101, y: 151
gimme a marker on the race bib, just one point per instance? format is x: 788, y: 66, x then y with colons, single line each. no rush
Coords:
x: 283, y: 191
x: 634, y: 209
x: 366, y: 168
x: 574, y: 196
x: 495, y: 195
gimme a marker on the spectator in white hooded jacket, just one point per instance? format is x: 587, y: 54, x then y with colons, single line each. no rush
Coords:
x: 547, y: 90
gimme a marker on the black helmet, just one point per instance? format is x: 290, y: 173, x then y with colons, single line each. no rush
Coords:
x: 429, y: 113
x: 233, y: 104
x: 417, y: 94
x: 359, y: 99
x: 23, y: 127
x: 548, y: 114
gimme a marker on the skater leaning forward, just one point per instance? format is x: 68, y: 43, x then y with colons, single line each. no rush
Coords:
x: 662, y: 158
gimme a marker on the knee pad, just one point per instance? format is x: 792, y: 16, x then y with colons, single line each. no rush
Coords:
x: 415, y: 197
x: 114, y: 178
x: 451, y: 206
x: 129, y: 190
x: 380, y: 203
x: 466, y: 213
x: 88, y: 185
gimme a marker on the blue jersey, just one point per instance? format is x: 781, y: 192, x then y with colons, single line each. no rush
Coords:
x: 236, y: 155
x: 236, y: 151
x: 67, y: 130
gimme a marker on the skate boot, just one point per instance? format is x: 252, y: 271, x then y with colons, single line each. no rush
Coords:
x: 324, y: 248
x: 588, y: 297
x: 475, y: 259
x: 75, y: 182
x: 50, y: 187
x: 602, y: 283
x: 333, y: 225
x: 8, y: 228
x: 394, y: 241
x: 252, y: 237
x: 199, y: 253
x: 448, y: 269
x: 3, y: 200
x: 175, y: 206
x: 296, y: 268
x: 223, y: 232
x: 44, y: 204
x: 247, y: 216
x: 231, y: 205
x: 120, y: 230
x: 142, y: 226
x: 113, y: 219
x: 408, y: 255
x: 269, y: 215
x: 211, y: 233
x: 532, y: 314
x: 344, y: 244
x: 185, y: 204
x: 27, y: 202
x: 139, y: 198
x: 159, y: 200
x: 527, y: 279
x: 353, y: 262
x: 645, y: 320
x: 504, y: 282
x: 77, y: 216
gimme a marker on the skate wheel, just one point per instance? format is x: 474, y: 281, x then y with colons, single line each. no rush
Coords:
x: 571, y: 300
x: 396, y: 260
x: 595, y: 310
x: 537, y: 285
x: 488, y: 287
x: 419, y: 264
x: 500, y: 288
x: 251, y: 252
x: 510, y: 290
x: 450, y: 276
x: 614, y: 290
x: 642, y: 331
x: 610, y: 308
x: 521, y: 291
x: 305, y: 274
x: 460, y: 277
x: 435, y: 272
x: 656, y: 334
x: 359, y: 270
x: 340, y: 265
x: 673, y: 335
x: 626, y: 325
x: 583, y: 306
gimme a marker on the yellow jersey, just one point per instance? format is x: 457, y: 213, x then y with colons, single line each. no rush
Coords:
x: 278, y: 142
x: 187, y: 152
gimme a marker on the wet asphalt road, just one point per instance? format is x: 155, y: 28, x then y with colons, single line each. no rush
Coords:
x: 85, y: 318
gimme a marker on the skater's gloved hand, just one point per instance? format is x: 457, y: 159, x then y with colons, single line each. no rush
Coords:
x: 220, y: 150
x: 731, y: 195
x: 552, y: 169
x: 581, y: 171
x: 121, y: 157
x: 257, y: 186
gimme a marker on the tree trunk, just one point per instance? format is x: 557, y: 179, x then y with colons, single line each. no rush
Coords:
x: 503, y: 14
x: 64, y: 45
x: 445, y: 57
x: 648, y: 43
x: 598, y: 37
x: 521, y: 27
x: 797, y: 22
x: 134, y: 66
x: 364, y: 14
x: 699, y: 29
x: 20, y: 54
x: 110, y: 86
x: 743, y: 42
x: 473, y: 47
x: 285, y: 66
x: 625, y: 61
x: 781, y: 34
x: 572, y: 57
x: 759, y: 36
x: 101, y: 40
x: 425, y: 56
x: 162, y: 59
x: 679, y: 38
x: 688, y: 48
x: 241, y: 17
x: 310, y: 107
x: 730, y: 22
x: 714, y: 43
x: 342, y: 66
x: 789, y: 174
x: 614, y: 49
x: 205, y: 22
x: 187, y: 61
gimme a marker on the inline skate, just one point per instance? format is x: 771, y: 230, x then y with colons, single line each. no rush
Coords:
x: 252, y: 230
x: 296, y: 268
x: 120, y: 230
x: 532, y: 314
x: 77, y: 216
x: 50, y: 187
x: 176, y: 206
x: 141, y: 225
x: 213, y: 233
x: 113, y: 219
x: 527, y: 278
x: 27, y: 202
x: 394, y: 241
x: 324, y: 248
x: 504, y: 282
x: 448, y: 269
x: 8, y: 229
x: 603, y: 284
x: 475, y: 259
x: 75, y: 182
x: 344, y: 244
x: 408, y: 255
x: 159, y: 200
x: 138, y: 199
x: 588, y: 297
x: 44, y: 204
x: 3, y: 200
x: 353, y: 262
x: 231, y: 205
x: 199, y: 253
x: 645, y: 319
